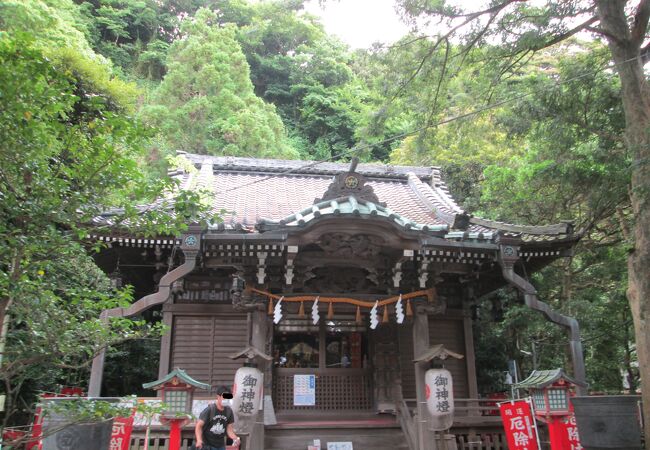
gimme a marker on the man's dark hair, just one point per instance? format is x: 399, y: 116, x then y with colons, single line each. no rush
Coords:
x: 224, y: 392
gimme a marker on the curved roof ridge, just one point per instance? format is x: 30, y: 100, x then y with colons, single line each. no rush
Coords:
x: 245, y: 164
x: 440, y: 187
x: 347, y: 205
x: 439, y: 201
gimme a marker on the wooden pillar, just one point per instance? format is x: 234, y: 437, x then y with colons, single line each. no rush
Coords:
x: 420, y: 345
x: 470, y: 360
x: 96, y: 373
x: 259, y: 339
x: 165, y: 344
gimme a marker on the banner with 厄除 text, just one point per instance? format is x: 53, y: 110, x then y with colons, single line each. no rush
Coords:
x: 519, y: 424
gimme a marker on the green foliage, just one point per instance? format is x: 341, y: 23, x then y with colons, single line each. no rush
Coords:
x: 306, y: 75
x: 58, y: 30
x: 554, y: 153
x: 206, y: 104
x: 66, y: 155
x: 134, y: 34
x: 573, y: 167
x: 572, y: 129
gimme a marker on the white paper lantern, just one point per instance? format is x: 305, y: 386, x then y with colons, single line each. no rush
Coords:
x: 439, y: 393
x: 247, y: 391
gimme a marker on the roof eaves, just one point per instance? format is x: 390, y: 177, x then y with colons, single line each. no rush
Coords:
x: 182, y: 375
x: 343, y: 206
x: 558, y: 229
x: 543, y: 378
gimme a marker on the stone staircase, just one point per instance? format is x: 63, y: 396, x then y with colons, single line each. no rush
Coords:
x: 378, y: 432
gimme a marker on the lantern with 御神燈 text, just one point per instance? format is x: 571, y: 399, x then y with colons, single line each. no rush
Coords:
x: 248, y: 386
x: 247, y: 390
x: 439, y: 394
x: 438, y: 387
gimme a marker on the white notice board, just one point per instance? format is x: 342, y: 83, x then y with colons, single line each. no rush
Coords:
x: 339, y: 446
x: 304, y: 390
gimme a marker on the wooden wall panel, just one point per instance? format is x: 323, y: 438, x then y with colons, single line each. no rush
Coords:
x: 450, y: 333
x: 201, y: 345
x: 446, y: 331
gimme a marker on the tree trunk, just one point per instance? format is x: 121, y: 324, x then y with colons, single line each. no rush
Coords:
x: 625, y: 45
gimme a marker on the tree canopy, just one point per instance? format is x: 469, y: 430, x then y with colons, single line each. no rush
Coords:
x: 514, y: 31
x: 530, y: 122
x: 206, y: 104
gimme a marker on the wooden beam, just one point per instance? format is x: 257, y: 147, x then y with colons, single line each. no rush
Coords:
x: 420, y: 345
x: 470, y: 357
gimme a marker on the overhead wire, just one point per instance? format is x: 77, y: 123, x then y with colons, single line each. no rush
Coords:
x: 357, y: 149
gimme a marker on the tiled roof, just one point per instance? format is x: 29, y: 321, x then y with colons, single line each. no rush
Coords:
x: 350, y: 206
x: 251, y: 190
x: 255, y: 192
x: 542, y: 378
x: 181, y: 375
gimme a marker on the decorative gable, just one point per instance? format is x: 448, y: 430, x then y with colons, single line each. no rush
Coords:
x: 349, y: 184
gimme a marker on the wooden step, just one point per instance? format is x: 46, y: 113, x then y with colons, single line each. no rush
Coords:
x: 365, y: 433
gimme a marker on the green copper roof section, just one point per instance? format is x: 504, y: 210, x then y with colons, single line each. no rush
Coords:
x: 181, y: 375
x: 350, y: 206
x: 541, y: 378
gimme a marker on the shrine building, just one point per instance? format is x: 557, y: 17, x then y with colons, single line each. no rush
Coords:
x: 347, y: 272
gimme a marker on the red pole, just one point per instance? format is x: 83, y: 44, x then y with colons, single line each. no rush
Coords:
x: 557, y: 434
x: 175, y: 434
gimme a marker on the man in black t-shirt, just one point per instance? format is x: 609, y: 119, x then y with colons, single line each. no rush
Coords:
x: 215, y: 422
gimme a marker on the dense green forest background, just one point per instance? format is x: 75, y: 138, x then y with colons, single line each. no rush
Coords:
x: 117, y: 86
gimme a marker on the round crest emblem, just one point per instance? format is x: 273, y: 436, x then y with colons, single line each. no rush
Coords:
x: 508, y: 251
x: 190, y: 241
x: 351, y: 181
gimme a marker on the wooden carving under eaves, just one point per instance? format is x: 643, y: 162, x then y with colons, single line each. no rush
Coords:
x: 340, y: 279
x: 245, y: 300
x: 345, y: 245
x: 350, y: 183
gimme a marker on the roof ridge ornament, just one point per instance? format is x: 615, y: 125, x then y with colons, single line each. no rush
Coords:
x: 350, y: 184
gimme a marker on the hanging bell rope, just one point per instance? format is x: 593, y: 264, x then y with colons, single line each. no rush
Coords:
x: 409, y: 310
x: 330, y: 311
x: 358, y: 316
x: 385, y: 318
x: 430, y: 294
x: 301, y: 310
x: 270, y: 310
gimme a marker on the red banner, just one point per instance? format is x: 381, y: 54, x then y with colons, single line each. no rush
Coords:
x: 563, y: 433
x: 519, y: 424
x: 121, y: 437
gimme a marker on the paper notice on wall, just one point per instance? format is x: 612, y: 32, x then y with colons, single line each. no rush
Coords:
x: 339, y: 446
x: 304, y: 390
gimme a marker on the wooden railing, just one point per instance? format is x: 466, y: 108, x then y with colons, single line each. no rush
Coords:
x: 482, y: 407
x: 159, y: 440
x: 477, y: 425
x: 407, y: 423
